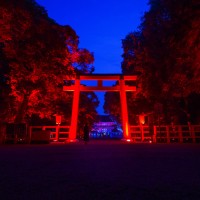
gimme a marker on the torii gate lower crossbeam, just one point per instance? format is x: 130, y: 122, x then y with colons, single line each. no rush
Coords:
x: 122, y: 87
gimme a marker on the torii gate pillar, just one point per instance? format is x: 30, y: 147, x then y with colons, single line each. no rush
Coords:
x: 124, y: 111
x: 75, y: 108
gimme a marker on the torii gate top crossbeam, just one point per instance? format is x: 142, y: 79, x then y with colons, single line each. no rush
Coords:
x: 100, y: 78
x: 106, y: 77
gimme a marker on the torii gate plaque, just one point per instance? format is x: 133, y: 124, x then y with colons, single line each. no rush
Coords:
x: 122, y: 87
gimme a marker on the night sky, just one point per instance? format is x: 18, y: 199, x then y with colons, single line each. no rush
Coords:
x: 100, y: 25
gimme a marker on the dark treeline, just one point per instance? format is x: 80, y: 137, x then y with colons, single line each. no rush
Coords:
x: 165, y: 52
x: 36, y: 55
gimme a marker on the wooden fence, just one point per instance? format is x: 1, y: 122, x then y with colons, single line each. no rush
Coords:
x: 155, y: 134
x: 57, y: 133
x: 166, y: 134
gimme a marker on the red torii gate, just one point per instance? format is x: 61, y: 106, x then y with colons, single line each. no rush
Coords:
x: 122, y: 87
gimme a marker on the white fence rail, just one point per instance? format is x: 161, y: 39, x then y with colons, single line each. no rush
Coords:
x: 156, y: 134
x: 166, y: 133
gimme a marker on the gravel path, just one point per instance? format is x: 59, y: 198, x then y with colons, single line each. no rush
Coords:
x: 100, y: 170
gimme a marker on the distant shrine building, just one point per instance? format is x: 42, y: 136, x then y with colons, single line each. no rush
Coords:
x: 106, y: 128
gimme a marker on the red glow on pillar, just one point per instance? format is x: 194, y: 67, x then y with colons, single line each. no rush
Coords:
x: 127, y: 130
x: 75, y: 108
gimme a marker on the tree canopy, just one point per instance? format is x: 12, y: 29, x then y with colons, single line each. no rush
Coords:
x: 36, y: 55
x: 165, y: 53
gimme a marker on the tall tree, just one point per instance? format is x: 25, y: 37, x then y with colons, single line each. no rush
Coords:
x: 172, y: 42
x: 39, y: 54
x: 166, y: 53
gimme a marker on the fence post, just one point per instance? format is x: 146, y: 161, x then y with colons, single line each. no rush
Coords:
x: 142, y: 132
x: 180, y: 134
x: 57, y: 132
x: 192, y: 130
x: 168, y: 135
x: 30, y: 134
x: 154, y: 134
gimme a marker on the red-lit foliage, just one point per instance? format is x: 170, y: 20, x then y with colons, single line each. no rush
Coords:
x: 165, y: 52
x: 112, y: 105
x: 36, y: 55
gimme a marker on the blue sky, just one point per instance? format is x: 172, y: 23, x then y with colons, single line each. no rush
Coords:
x: 100, y: 25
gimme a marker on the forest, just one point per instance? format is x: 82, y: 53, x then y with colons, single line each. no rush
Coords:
x: 37, y: 55
x: 165, y: 54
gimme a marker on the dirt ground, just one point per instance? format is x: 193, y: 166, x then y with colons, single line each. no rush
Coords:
x: 100, y: 170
